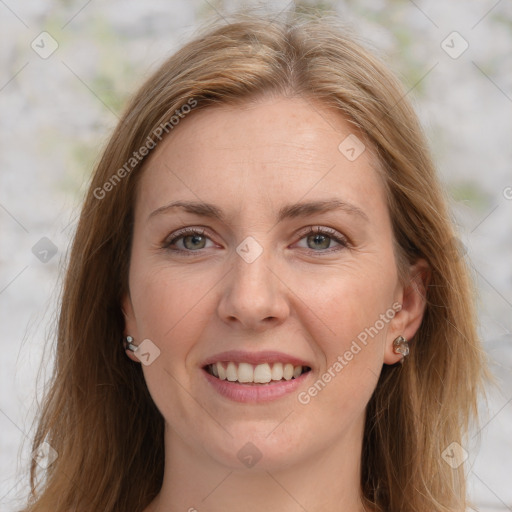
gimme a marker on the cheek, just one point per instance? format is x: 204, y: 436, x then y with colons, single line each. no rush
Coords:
x: 171, y: 310
x: 166, y: 299
x: 357, y: 308
x: 352, y: 303
x: 353, y: 309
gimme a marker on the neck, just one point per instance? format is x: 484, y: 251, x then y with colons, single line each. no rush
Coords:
x: 328, y: 481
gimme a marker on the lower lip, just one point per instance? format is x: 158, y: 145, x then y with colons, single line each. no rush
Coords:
x: 255, y: 392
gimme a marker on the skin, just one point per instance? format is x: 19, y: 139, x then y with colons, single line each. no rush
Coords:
x: 302, y: 296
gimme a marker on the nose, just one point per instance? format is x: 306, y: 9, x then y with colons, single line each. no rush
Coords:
x: 254, y: 297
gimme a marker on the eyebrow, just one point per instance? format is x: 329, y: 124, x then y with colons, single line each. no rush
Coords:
x: 290, y: 211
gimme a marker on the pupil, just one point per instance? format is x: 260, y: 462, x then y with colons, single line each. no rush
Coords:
x: 195, y: 239
x: 321, y: 240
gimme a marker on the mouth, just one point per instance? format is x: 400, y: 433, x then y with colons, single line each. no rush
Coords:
x: 250, y: 374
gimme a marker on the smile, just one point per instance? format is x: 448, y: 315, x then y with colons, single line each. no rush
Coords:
x: 247, y: 373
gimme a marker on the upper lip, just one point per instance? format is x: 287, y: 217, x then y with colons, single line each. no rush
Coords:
x: 255, y: 358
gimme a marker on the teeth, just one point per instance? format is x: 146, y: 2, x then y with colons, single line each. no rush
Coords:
x: 220, y: 370
x: 245, y: 372
x: 277, y: 371
x: 288, y: 371
x: 231, y: 372
x: 261, y: 373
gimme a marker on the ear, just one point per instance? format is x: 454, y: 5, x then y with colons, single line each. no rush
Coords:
x: 413, y: 297
x: 130, y: 325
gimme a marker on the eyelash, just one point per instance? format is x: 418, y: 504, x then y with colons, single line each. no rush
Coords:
x: 331, y: 233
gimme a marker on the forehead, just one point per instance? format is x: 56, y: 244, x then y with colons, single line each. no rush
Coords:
x: 262, y: 154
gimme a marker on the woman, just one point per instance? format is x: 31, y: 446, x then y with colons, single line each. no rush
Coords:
x: 267, y: 236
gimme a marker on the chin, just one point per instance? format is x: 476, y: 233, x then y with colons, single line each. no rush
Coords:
x: 259, y: 446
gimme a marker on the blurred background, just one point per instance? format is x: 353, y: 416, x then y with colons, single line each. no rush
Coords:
x: 67, y: 68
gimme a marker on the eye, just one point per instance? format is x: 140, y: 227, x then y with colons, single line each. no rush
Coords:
x: 320, y: 239
x: 187, y: 240
x: 317, y: 239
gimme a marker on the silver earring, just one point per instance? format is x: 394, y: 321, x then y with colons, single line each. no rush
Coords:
x: 130, y: 345
x: 401, y: 346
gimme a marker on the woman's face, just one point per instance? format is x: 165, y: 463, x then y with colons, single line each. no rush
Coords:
x: 286, y: 265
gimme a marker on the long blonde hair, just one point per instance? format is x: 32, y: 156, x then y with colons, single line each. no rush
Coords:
x: 98, y: 414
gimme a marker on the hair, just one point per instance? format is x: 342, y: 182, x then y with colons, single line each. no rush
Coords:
x: 97, y: 411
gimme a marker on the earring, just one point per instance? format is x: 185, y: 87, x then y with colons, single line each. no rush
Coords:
x: 400, y: 346
x: 129, y: 345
